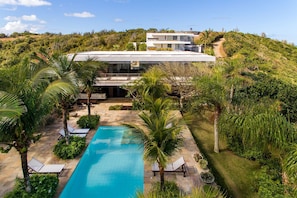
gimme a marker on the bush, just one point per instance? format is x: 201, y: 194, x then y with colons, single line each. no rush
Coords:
x: 171, y: 190
x: 85, y: 122
x: 203, y: 164
x: 116, y: 107
x: 74, y: 148
x: 42, y: 186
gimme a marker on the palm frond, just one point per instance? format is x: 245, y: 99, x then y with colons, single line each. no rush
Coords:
x: 10, y: 106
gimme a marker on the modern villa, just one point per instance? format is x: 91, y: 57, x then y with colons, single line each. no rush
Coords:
x: 127, y: 66
x: 172, y: 41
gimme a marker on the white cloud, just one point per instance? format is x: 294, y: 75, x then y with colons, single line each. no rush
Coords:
x: 11, y: 18
x: 27, y: 3
x: 118, y: 20
x: 29, y: 17
x: 14, y: 26
x: 80, y: 15
x: 29, y: 23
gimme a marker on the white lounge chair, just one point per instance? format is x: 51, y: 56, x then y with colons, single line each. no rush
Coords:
x: 178, y: 166
x: 36, y: 166
x: 62, y: 134
x: 77, y: 131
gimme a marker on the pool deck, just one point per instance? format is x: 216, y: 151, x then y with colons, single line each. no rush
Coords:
x: 10, y: 164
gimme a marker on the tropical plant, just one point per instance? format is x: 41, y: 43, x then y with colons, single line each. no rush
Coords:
x: 170, y: 190
x: 11, y: 108
x: 260, y: 126
x: 88, y: 121
x: 42, y: 186
x: 87, y: 72
x: 207, y: 191
x: 34, y: 85
x: 152, y: 83
x: 212, y: 94
x: 71, y: 150
x: 160, y: 133
x: 64, y: 70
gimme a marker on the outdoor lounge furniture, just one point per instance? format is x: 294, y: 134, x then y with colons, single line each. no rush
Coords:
x: 178, y: 166
x: 74, y: 132
x: 36, y: 166
x: 77, y: 131
x: 62, y: 134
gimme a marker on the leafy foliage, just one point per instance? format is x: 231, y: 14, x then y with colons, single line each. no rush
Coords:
x: 269, y: 184
x: 42, y: 186
x: 88, y: 121
x: 116, y: 107
x: 170, y: 190
x: 71, y: 150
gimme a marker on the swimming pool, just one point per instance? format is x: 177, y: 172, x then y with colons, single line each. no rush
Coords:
x: 112, y: 166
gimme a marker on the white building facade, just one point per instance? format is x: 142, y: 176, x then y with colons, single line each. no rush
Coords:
x: 171, y: 42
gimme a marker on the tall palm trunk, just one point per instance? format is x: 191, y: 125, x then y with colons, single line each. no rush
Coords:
x: 64, y: 117
x: 162, y: 178
x: 216, y: 132
x: 24, y: 162
x: 89, y: 103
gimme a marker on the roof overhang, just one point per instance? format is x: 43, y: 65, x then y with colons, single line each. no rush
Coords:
x: 142, y: 56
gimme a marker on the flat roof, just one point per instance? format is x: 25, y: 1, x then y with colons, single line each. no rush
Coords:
x: 143, y: 56
x: 171, y: 34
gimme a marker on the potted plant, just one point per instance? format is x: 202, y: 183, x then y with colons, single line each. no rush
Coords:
x: 197, y: 157
x: 203, y: 163
x: 207, y: 177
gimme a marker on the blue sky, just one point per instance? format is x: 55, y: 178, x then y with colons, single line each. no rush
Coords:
x: 276, y: 18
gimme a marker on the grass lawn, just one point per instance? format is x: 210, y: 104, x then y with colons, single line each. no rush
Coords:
x: 237, y: 172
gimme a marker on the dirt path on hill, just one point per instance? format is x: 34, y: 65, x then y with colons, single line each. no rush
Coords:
x: 218, y: 49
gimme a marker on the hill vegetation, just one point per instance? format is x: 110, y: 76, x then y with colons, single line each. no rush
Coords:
x: 252, y: 51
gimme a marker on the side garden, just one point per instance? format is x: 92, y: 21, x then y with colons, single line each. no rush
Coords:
x: 233, y: 173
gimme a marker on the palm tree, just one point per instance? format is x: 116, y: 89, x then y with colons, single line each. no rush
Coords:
x: 212, y: 94
x: 64, y: 72
x: 87, y: 73
x: 205, y: 38
x: 160, y: 133
x: 32, y: 85
x: 261, y: 125
x: 151, y: 82
x: 11, y: 108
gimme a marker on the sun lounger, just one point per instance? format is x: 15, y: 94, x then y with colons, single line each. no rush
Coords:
x: 62, y: 134
x: 77, y: 131
x: 177, y: 166
x: 36, y: 166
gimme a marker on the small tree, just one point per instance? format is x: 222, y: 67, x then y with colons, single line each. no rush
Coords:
x: 160, y: 132
x: 86, y: 73
x: 212, y: 94
x: 152, y: 83
x: 64, y: 72
x: 32, y: 87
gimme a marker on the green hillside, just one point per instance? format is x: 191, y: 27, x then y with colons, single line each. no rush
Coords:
x: 270, y: 56
x: 250, y: 52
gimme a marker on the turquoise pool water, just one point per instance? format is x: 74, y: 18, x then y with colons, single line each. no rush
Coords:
x: 112, y: 167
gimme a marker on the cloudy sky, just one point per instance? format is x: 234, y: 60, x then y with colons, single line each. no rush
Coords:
x: 276, y: 18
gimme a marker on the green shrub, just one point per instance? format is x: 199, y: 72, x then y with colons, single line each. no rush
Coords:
x: 203, y: 164
x: 42, y: 186
x: 85, y: 122
x: 116, y: 107
x: 171, y: 190
x: 74, y: 148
